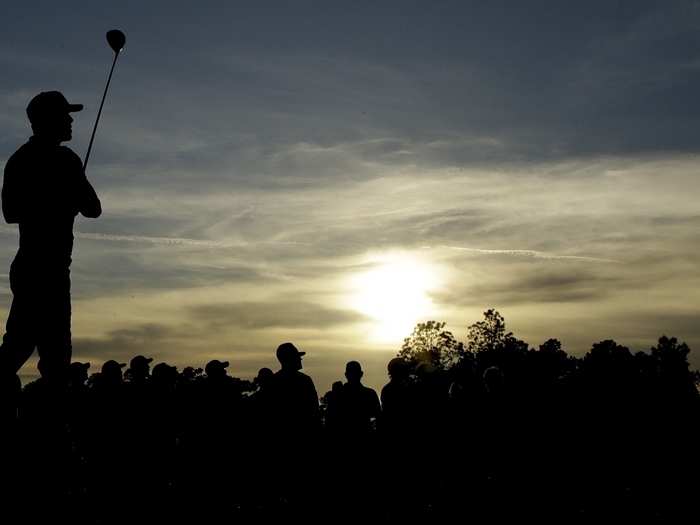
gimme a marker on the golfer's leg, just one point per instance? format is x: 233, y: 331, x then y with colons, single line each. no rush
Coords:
x: 20, y: 337
x: 54, y: 343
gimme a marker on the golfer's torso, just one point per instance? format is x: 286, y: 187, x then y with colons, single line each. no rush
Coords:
x: 43, y: 187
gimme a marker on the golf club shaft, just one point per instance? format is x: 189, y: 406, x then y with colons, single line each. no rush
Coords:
x: 99, y: 112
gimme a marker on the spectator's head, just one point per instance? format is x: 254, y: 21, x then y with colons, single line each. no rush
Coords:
x: 398, y: 369
x: 337, y: 387
x: 140, y: 367
x: 112, y: 371
x: 216, y: 369
x: 353, y: 372
x: 164, y: 375
x: 265, y: 375
x: 289, y: 356
x: 49, y: 114
x: 78, y: 373
x: 188, y: 373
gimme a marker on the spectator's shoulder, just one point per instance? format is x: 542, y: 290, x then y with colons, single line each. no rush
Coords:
x: 305, y: 378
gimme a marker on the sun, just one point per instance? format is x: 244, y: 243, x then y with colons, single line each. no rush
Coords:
x: 394, y: 294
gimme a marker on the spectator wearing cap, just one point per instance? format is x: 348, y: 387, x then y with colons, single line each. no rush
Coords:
x: 164, y: 378
x: 220, y: 430
x: 44, y: 188
x: 111, y: 373
x: 140, y: 427
x: 296, y: 420
x: 139, y: 370
x: 222, y: 390
x: 108, y: 433
x: 78, y: 376
x: 216, y: 370
x: 295, y: 394
x: 162, y: 439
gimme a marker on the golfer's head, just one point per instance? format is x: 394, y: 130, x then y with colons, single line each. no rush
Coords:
x: 49, y: 114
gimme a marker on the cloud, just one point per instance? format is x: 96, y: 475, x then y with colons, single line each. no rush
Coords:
x: 539, y: 285
x: 274, y: 314
x: 124, y: 343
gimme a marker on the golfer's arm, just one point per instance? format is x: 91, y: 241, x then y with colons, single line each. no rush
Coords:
x: 90, y: 205
x: 12, y: 204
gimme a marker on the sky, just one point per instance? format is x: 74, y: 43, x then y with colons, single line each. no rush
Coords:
x: 331, y: 173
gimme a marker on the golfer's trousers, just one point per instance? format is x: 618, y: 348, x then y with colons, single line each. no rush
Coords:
x: 40, y: 317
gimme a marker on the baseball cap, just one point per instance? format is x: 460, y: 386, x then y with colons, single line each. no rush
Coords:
x: 286, y: 350
x: 163, y: 369
x: 112, y: 365
x: 49, y: 103
x: 139, y: 360
x: 215, y: 364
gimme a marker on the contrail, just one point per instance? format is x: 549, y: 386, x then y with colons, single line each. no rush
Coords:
x: 176, y: 241
x: 165, y: 241
x: 530, y: 253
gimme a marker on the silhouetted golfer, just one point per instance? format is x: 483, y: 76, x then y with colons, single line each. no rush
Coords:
x: 44, y: 189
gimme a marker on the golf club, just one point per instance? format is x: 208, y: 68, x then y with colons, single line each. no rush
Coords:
x: 116, y: 41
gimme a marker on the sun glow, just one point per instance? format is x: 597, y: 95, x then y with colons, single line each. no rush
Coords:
x: 395, y: 294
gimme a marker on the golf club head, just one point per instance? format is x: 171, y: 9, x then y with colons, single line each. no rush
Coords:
x: 116, y: 40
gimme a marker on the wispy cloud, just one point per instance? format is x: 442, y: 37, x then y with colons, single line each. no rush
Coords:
x: 528, y: 253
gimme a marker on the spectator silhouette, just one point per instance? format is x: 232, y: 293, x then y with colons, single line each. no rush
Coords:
x: 332, y: 409
x: 358, y: 410
x: 260, y: 403
x: 296, y: 400
x: 296, y: 422
x: 140, y: 427
x: 162, y: 441
x: 44, y: 188
x: 398, y: 399
x: 264, y: 380
x: 108, y: 433
x: 258, y: 462
x: 78, y: 376
x: 110, y: 376
x: 139, y: 371
x: 360, y: 407
x: 218, y: 433
x: 397, y: 423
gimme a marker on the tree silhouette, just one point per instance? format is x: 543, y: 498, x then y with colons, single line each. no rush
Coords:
x: 552, y: 346
x: 671, y: 359
x: 489, y: 334
x: 431, y: 343
x: 493, y: 346
x: 550, y: 363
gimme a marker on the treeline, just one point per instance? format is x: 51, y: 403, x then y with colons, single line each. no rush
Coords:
x: 664, y: 368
